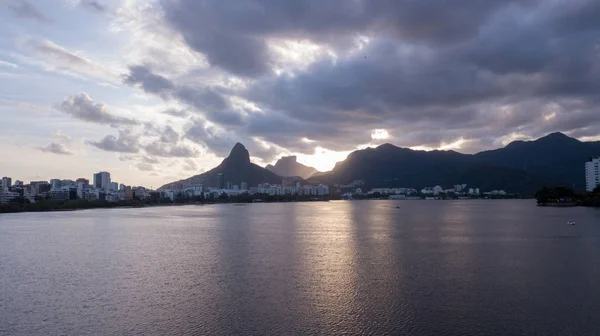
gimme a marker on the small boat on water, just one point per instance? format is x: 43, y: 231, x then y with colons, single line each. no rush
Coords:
x: 571, y: 223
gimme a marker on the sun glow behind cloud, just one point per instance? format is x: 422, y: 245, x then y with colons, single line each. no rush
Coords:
x: 323, y: 159
x: 379, y: 134
x: 456, y: 145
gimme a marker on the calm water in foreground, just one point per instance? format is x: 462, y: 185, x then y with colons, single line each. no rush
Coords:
x: 365, y: 267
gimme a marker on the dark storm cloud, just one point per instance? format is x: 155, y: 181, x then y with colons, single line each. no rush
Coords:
x: 210, y: 100
x: 148, y: 81
x: 432, y: 72
x: 233, y: 35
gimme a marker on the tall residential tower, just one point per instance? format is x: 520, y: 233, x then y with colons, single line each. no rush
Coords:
x: 592, y: 173
x: 102, y: 180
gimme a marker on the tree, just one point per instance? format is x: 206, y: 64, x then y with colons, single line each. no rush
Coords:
x: 544, y: 195
x: 19, y: 200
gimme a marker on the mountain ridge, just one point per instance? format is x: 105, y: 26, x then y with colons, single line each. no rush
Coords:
x: 236, y: 168
x: 289, y: 166
x: 521, y: 166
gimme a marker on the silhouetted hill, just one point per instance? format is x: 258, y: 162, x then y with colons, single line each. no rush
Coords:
x: 556, y: 156
x: 522, y: 166
x: 236, y: 169
x: 289, y: 166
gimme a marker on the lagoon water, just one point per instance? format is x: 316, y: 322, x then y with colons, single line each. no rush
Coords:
x: 501, y: 267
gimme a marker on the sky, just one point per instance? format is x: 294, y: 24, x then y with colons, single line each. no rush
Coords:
x: 157, y: 91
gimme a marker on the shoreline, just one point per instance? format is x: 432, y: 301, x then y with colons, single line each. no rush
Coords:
x: 110, y: 206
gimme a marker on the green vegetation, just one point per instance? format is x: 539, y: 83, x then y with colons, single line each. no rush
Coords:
x: 561, y: 196
x: 22, y: 205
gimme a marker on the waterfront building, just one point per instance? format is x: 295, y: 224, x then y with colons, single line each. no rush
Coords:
x: 7, y: 196
x: 85, y: 182
x: 592, y: 173
x: 127, y: 193
x: 55, y: 184
x: 68, y: 183
x: 193, y: 190
x: 38, y: 187
x: 244, y: 186
x: 60, y: 194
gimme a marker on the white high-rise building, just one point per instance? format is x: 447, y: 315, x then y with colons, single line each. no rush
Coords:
x: 102, y: 180
x: 592, y: 173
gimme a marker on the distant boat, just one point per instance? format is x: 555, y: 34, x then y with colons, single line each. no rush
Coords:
x: 571, y: 223
x: 397, y: 207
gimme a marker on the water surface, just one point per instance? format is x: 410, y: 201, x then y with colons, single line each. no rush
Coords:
x: 365, y: 267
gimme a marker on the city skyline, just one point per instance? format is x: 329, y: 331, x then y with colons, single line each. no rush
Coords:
x: 153, y: 100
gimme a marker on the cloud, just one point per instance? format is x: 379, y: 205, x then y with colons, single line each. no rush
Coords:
x: 217, y: 140
x: 190, y: 165
x: 81, y: 106
x: 144, y: 166
x: 94, y: 6
x: 150, y: 159
x: 56, y: 148
x: 148, y: 81
x: 211, y: 101
x: 177, y: 113
x: 24, y: 9
x: 126, y: 142
x: 161, y: 149
x: 167, y: 134
x: 429, y: 73
x: 57, y: 58
x: 236, y: 37
x: 63, y: 144
x: 8, y: 65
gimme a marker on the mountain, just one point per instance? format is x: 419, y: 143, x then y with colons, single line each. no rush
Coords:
x: 236, y: 168
x: 555, y: 155
x: 521, y: 166
x: 289, y: 166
